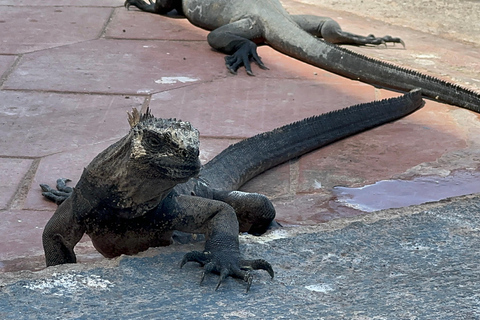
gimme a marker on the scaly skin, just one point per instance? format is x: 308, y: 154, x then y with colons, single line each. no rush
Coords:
x: 238, y: 26
x: 141, y: 189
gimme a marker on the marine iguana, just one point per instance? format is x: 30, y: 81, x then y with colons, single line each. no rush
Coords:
x: 135, y: 193
x: 238, y: 26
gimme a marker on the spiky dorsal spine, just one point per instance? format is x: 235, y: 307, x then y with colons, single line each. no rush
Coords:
x: 136, y: 116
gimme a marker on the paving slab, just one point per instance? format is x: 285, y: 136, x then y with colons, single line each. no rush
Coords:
x: 25, y: 31
x: 36, y: 124
x: 5, y: 63
x: 233, y: 103
x: 62, y: 3
x: 115, y: 67
x: 13, y: 171
x: 136, y: 24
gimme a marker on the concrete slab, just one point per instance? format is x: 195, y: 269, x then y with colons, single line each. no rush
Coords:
x: 412, y: 263
x: 48, y: 27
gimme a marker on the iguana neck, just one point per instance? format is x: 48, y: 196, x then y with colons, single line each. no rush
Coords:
x: 114, y: 174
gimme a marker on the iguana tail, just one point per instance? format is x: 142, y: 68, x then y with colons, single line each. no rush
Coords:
x: 295, y: 42
x: 246, y: 159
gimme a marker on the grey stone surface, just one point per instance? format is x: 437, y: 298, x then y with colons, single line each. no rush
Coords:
x: 411, y: 263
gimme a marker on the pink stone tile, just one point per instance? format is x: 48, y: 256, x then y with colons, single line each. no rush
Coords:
x: 48, y: 27
x: 34, y: 124
x: 242, y: 107
x: 62, y: 3
x: 209, y: 148
x: 61, y: 165
x: 117, y: 66
x: 379, y: 154
x: 274, y: 183
x: 21, y: 239
x: 21, y: 236
x: 5, y: 63
x: 12, y: 171
x: 136, y: 24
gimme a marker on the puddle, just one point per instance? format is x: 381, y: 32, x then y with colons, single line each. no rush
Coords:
x: 401, y: 193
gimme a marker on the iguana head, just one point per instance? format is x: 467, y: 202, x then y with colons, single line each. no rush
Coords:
x: 163, y: 148
x: 140, y: 170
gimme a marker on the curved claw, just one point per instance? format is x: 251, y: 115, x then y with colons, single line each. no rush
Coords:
x: 226, y: 266
x: 246, y: 51
x: 196, y: 256
x: 258, y: 264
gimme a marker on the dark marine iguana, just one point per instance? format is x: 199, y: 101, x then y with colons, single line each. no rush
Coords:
x: 135, y: 193
x: 238, y: 26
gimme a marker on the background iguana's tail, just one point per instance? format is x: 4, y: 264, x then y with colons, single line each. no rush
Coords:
x: 295, y: 42
x: 244, y: 160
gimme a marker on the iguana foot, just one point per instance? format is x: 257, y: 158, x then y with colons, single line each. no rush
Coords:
x: 372, y: 40
x: 59, y: 195
x: 140, y: 4
x: 227, y: 265
x: 246, y: 51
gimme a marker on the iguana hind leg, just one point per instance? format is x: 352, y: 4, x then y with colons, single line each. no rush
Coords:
x: 330, y: 31
x: 255, y: 212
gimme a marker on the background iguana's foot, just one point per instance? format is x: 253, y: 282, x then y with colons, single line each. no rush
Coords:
x: 372, y: 40
x: 159, y: 6
x: 140, y: 4
x: 245, y: 53
x: 227, y: 264
x: 60, y: 194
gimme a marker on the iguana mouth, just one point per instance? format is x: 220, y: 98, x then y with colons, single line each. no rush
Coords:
x: 181, y: 172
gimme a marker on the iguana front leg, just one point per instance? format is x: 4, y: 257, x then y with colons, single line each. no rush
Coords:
x: 62, y: 233
x: 330, y: 31
x: 218, y: 221
x: 235, y: 39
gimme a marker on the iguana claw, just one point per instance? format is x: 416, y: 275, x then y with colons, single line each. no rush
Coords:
x: 227, y: 266
x: 246, y: 51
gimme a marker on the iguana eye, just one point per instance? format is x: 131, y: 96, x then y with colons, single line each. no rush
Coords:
x: 155, y: 142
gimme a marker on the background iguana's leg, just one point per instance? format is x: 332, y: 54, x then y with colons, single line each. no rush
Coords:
x: 159, y: 6
x: 331, y: 31
x: 237, y: 40
x: 61, y: 234
x: 254, y: 211
x: 218, y: 221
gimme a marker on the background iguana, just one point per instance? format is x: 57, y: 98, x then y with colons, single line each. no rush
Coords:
x: 238, y: 26
x: 134, y: 194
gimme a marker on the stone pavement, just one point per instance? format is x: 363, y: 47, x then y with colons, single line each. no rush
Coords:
x: 70, y: 71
